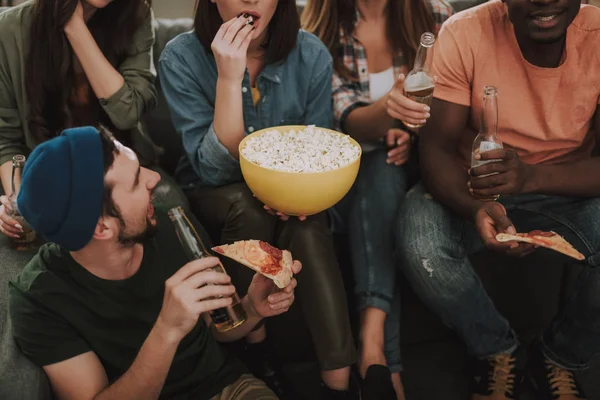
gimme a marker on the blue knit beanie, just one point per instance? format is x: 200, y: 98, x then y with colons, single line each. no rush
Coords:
x: 62, y: 185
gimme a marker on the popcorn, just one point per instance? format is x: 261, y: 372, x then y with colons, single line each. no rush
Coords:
x: 307, y: 150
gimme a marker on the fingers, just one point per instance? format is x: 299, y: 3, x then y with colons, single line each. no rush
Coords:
x: 210, y: 291
x: 489, y: 168
x: 281, y: 303
x: 242, y: 36
x: 400, y: 82
x: 520, y: 249
x: 497, y: 179
x: 396, y: 137
x: 210, y: 277
x: 5, y: 202
x: 400, y: 112
x: 399, y: 155
x: 501, y: 220
x: 492, y: 192
x: 192, y: 268
x: 296, y: 267
x: 8, y: 230
x: 233, y: 29
x: 282, y: 216
x: 212, y: 304
x: 499, y: 154
x: 224, y: 27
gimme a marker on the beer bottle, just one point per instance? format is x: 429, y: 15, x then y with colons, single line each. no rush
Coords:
x: 487, y: 139
x: 26, y: 239
x: 419, y: 83
x: 225, y: 318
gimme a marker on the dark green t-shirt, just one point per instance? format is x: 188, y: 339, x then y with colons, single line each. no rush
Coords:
x: 59, y: 310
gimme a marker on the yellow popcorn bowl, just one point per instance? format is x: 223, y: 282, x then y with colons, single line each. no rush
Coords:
x: 298, y: 193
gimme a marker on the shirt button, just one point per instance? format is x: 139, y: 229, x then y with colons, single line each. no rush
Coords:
x: 250, y: 129
x: 244, y: 89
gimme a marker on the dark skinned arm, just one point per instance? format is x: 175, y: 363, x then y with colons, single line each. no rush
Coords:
x: 441, y: 165
x: 578, y: 179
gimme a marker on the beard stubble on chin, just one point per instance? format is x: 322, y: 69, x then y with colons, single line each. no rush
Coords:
x: 127, y: 240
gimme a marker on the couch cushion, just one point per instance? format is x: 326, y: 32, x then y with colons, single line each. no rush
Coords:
x: 19, y: 377
x: 157, y: 123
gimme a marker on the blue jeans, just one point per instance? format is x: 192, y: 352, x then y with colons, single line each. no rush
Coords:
x: 370, y: 210
x: 434, y: 245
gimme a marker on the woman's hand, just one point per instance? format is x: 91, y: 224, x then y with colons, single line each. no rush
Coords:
x: 80, y: 16
x: 399, y: 141
x: 8, y: 226
x: 401, y: 107
x: 230, y: 47
x: 282, y: 216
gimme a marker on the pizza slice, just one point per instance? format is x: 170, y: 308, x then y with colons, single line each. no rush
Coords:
x: 263, y: 258
x: 549, y: 240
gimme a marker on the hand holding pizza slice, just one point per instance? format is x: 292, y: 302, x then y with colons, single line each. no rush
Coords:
x: 549, y: 240
x: 263, y: 258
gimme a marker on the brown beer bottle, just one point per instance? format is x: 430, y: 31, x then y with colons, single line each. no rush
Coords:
x: 225, y: 318
x: 26, y: 239
x: 419, y: 83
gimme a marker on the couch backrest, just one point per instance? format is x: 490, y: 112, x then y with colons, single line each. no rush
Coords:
x: 157, y: 123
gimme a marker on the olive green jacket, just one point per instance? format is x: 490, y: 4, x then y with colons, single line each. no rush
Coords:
x: 125, y: 108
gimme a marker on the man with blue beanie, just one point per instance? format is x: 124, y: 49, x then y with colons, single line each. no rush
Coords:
x: 111, y: 307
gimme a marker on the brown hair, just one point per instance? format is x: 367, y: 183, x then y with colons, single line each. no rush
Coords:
x: 49, y: 70
x: 407, y: 21
x: 282, y: 33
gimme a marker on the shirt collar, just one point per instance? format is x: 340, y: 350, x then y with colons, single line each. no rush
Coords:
x: 273, y: 72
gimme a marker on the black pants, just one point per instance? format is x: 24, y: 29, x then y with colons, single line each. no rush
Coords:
x: 233, y: 211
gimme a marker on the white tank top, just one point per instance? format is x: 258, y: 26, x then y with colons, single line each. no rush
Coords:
x: 381, y: 83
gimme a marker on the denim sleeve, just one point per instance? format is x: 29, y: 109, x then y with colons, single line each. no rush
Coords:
x: 319, y: 110
x: 193, y: 114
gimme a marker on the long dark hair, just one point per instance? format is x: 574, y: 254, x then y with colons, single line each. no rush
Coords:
x: 282, y: 33
x: 49, y: 70
x: 407, y: 21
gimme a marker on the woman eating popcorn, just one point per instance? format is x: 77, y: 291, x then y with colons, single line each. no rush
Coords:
x: 247, y: 66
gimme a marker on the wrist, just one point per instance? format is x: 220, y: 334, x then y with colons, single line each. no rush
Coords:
x: 74, y: 26
x: 250, y: 309
x: 167, y: 335
x: 229, y: 83
x: 532, y: 178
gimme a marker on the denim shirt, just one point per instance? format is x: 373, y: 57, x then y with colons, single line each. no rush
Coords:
x: 296, y: 91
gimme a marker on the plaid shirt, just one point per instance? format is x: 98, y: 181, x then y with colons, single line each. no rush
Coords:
x: 348, y: 95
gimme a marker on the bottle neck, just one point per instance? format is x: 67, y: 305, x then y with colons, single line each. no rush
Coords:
x: 16, y: 179
x: 420, y: 58
x: 489, y: 116
x: 189, y: 238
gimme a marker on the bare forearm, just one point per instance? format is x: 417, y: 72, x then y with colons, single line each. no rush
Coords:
x: 580, y: 179
x: 104, y: 78
x: 370, y: 122
x: 446, y: 179
x: 229, y: 115
x: 244, y: 329
x: 6, y: 176
x: 146, y: 376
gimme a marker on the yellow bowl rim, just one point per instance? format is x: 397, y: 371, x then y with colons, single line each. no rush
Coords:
x: 261, y: 131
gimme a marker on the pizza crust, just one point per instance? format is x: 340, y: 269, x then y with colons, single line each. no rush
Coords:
x: 250, y: 254
x: 550, y: 240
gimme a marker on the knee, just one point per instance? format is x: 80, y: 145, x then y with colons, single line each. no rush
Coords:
x: 313, y: 228
x: 245, y: 209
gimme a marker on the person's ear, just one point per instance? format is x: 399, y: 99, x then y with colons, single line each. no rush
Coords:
x: 106, y: 229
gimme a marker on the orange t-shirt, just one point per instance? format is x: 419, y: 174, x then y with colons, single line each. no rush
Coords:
x: 543, y: 113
